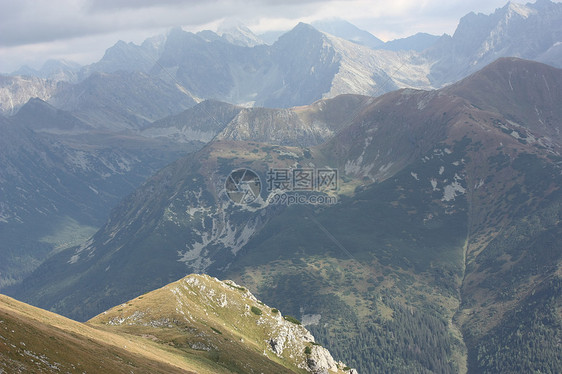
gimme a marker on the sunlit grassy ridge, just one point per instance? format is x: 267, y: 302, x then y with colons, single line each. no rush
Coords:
x: 221, y: 323
x: 197, y: 324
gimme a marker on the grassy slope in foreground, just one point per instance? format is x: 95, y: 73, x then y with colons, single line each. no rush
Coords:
x: 35, y: 340
x: 198, y: 324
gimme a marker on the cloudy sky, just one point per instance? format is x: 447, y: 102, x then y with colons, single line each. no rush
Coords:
x: 32, y: 31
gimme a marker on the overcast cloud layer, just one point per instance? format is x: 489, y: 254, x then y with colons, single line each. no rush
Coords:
x: 32, y: 31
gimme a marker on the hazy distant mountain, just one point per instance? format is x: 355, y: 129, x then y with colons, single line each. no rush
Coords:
x: 348, y: 31
x: 352, y: 33
x: 419, y: 42
x: 40, y: 116
x: 270, y: 37
x: 57, y: 70
x: 169, y: 330
x: 527, y: 31
x: 128, y: 57
x: 121, y: 100
x: 200, y: 123
x: 237, y: 33
x: 445, y: 233
x: 305, y: 65
x: 553, y: 55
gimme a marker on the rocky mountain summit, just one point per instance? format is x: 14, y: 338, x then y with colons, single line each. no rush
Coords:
x: 216, y: 315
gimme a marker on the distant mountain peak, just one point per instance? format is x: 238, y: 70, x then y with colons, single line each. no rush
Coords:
x: 39, y: 115
x: 348, y: 31
x: 300, y: 32
x: 229, y: 24
x: 236, y: 32
x: 418, y: 42
x: 175, y: 32
x: 304, y: 26
x: 521, y: 9
x: 36, y: 102
x: 60, y: 62
x: 56, y: 69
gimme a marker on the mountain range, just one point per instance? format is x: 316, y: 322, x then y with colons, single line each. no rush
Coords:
x: 433, y: 248
x: 302, y: 66
x: 444, y: 232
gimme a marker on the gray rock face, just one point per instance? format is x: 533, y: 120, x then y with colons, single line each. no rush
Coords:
x: 321, y: 361
x: 16, y: 91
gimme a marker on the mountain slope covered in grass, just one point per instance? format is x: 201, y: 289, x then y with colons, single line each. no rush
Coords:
x: 196, y: 325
